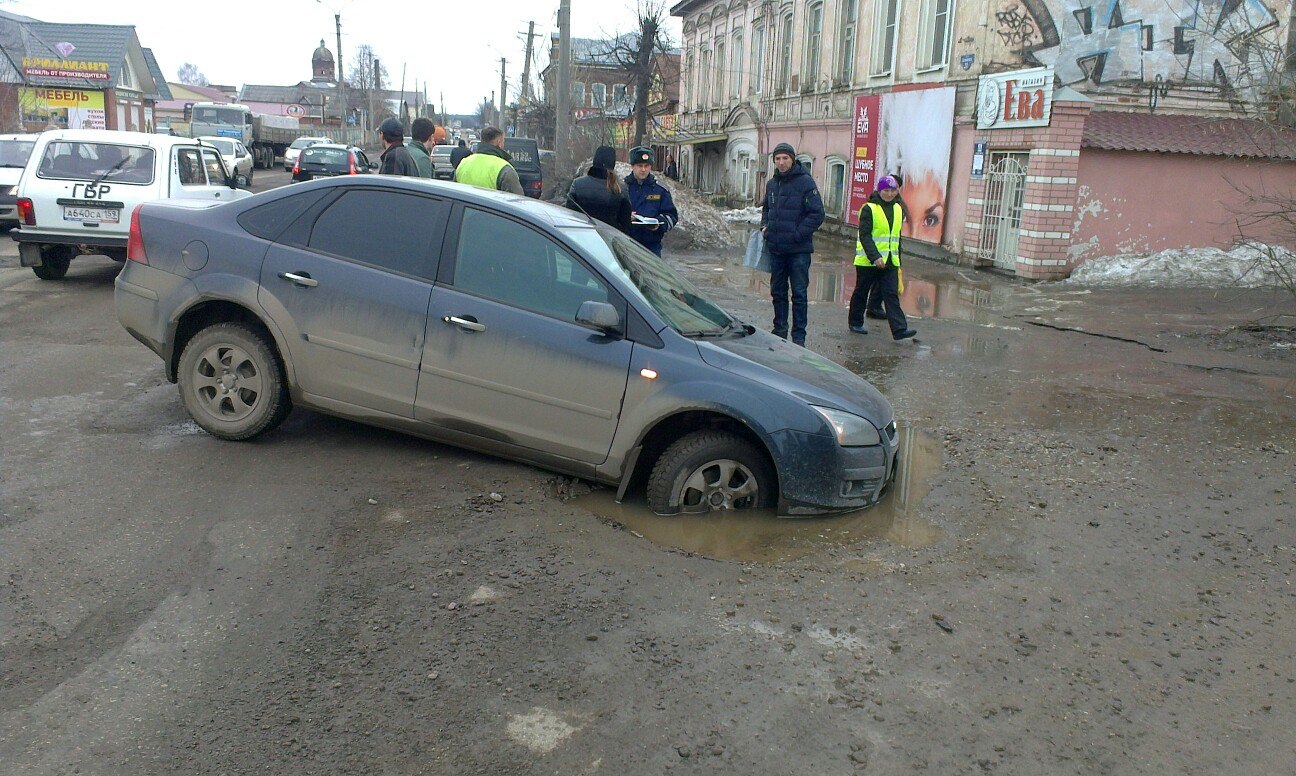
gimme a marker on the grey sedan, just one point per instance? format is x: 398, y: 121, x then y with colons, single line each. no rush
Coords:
x: 496, y: 323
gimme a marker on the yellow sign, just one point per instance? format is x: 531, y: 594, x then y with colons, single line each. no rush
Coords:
x: 64, y: 108
x: 53, y: 67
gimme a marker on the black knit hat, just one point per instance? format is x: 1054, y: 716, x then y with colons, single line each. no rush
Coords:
x: 784, y: 148
x: 605, y: 158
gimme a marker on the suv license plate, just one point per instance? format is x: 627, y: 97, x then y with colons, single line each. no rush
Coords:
x: 92, y: 215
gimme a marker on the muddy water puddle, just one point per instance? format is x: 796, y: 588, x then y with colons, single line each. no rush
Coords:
x: 758, y: 536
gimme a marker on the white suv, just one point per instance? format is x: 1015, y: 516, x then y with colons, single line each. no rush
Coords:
x: 80, y: 187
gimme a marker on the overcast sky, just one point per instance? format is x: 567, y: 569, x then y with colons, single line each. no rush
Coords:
x: 441, y: 43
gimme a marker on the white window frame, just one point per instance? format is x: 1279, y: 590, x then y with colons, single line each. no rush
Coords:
x: 813, y: 61
x: 598, y: 94
x: 578, y: 93
x: 807, y: 161
x: 847, y: 41
x: 878, y: 68
x: 927, y: 44
x: 757, y: 82
x: 736, y: 59
x: 787, y: 27
x: 719, y: 59
x: 704, y: 80
x: 836, y: 202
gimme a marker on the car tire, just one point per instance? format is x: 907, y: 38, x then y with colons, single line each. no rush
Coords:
x: 711, y: 471
x: 55, y: 262
x: 251, y: 170
x: 231, y: 382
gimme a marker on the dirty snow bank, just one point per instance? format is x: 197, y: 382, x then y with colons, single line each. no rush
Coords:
x: 1246, y: 265
x: 746, y: 215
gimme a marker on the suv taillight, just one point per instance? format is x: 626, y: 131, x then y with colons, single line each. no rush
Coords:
x: 135, y: 242
x: 26, y: 211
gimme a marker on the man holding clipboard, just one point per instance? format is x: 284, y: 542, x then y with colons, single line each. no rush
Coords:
x: 653, y: 212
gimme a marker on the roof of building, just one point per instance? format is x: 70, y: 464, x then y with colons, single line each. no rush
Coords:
x: 292, y: 94
x: 1171, y: 134
x: 162, y: 92
x: 91, y: 43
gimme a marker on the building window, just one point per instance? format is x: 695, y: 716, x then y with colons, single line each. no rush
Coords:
x: 687, y: 97
x: 578, y: 94
x: 807, y: 162
x: 836, y: 198
x: 704, y: 81
x: 757, y: 83
x: 884, y: 36
x: 846, y: 41
x: 720, y: 72
x: 814, y: 46
x: 619, y: 95
x: 933, y: 34
x: 785, y: 53
x: 735, y: 85
x: 599, y: 92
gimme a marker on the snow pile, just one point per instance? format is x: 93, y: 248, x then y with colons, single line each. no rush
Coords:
x: 746, y: 215
x: 1246, y: 265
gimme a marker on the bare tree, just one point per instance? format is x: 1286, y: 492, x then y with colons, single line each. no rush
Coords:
x: 366, y: 77
x: 637, y: 53
x: 486, y: 113
x: 191, y: 75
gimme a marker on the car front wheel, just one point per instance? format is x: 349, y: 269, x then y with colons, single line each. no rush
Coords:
x: 710, y: 471
x: 231, y: 382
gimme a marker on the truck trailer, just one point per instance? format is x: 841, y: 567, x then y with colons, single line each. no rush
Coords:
x: 266, y: 137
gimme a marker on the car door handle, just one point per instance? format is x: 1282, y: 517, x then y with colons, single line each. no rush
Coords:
x: 464, y: 323
x: 302, y: 279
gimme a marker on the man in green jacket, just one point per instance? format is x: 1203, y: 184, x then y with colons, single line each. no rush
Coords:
x: 489, y: 167
x: 421, y: 146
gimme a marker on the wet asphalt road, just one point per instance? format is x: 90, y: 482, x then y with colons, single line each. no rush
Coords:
x: 1085, y: 568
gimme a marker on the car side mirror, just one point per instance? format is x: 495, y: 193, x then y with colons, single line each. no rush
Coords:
x: 373, y: 166
x: 599, y: 315
x: 240, y: 181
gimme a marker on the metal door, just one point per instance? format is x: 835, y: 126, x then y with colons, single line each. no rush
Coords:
x: 1002, y: 214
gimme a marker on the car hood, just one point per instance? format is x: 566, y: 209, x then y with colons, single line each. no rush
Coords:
x: 772, y: 361
x: 9, y: 176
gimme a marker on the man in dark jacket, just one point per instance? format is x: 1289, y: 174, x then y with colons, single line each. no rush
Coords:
x: 459, y: 153
x: 877, y: 259
x: 396, y: 160
x: 489, y: 166
x: 648, y: 199
x: 421, y: 145
x: 598, y: 193
x: 790, y: 214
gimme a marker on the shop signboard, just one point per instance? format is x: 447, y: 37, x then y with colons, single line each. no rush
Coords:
x: 863, y: 154
x: 1021, y: 98
x: 65, y: 108
x: 54, y: 67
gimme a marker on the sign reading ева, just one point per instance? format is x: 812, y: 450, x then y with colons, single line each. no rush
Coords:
x: 1022, y: 98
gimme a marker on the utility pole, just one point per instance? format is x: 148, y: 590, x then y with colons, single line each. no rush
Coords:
x: 342, y: 106
x: 525, y: 95
x: 562, y: 124
x: 404, y: 114
x: 443, y: 113
x: 503, y: 96
x: 376, y: 86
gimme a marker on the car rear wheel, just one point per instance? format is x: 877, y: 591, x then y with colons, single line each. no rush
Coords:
x: 709, y: 471
x: 55, y: 262
x: 231, y: 382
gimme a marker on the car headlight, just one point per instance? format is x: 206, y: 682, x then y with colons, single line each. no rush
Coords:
x: 851, y: 430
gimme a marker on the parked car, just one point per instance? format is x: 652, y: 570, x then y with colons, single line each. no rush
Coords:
x: 442, y: 169
x: 500, y: 324
x: 325, y: 160
x: 80, y: 186
x: 14, y: 151
x: 295, y: 148
x: 235, y: 155
x: 526, y: 160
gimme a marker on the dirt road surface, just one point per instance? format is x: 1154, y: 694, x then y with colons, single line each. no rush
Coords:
x: 1085, y: 566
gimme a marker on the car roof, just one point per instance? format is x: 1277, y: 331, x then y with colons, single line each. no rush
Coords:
x: 326, y: 146
x: 19, y: 136
x: 513, y: 204
x: 218, y: 137
x: 117, y: 137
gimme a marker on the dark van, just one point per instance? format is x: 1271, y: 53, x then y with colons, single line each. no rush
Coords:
x: 526, y: 160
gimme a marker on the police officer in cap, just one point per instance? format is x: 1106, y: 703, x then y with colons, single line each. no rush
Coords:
x: 649, y: 200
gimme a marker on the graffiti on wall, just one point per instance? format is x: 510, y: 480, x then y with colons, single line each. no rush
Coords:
x: 1135, y: 42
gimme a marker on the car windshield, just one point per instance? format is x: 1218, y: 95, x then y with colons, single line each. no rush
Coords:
x: 14, y: 153
x: 302, y: 142
x: 224, y: 146
x: 325, y: 156
x: 78, y: 161
x: 675, y: 299
x: 442, y: 150
x: 228, y: 116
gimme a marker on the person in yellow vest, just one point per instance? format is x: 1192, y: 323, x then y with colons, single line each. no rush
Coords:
x: 877, y: 260
x: 489, y: 167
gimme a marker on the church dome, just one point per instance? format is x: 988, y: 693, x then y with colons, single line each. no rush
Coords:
x: 322, y: 54
x: 322, y: 64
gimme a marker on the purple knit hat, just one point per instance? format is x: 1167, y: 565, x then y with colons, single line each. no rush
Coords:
x: 887, y: 182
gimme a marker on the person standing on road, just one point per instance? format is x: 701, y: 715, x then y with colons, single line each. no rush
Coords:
x: 459, y: 153
x: 421, y: 146
x: 598, y: 193
x: 877, y: 260
x: 872, y: 297
x: 488, y: 167
x: 790, y: 214
x: 648, y: 199
x: 396, y: 159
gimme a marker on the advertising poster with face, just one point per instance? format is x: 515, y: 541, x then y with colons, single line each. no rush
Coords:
x: 914, y: 143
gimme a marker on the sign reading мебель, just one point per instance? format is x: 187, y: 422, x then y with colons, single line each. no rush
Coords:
x: 1022, y: 98
x: 53, y: 67
x: 63, y: 108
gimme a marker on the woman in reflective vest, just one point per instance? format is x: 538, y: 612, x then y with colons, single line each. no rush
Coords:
x: 877, y: 260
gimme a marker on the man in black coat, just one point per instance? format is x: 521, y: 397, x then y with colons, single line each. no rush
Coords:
x: 791, y: 213
x: 396, y: 160
x: 599, y: 194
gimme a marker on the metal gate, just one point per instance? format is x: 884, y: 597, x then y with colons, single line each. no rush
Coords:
x: 1001, y: 222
